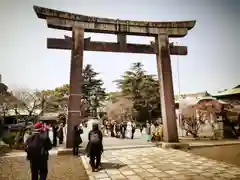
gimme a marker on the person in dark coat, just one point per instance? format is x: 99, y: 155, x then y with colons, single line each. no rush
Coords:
x: 60, y: 133
x: 77, y: 140
x: 54, y: 129
x: 141, y: 128
x: 118, y: 130
x: 112, y: 130
x: 95, y: 147
x: 37, y: 146
x: 133, y: 129
x: 123, y: 129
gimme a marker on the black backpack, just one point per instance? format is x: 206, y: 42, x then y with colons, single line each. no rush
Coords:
x: 35, y: 147
x: 94, y: 138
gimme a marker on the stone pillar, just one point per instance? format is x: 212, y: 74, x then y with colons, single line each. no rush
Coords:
x: 122, y: 40
x: 75, y: 92
x: 166, y: 88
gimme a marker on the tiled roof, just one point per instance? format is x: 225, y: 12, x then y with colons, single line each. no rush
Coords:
x: 228, y: 92
x: 195, y: 95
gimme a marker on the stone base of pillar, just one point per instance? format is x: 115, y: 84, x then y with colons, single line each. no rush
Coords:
x: 175, y: 145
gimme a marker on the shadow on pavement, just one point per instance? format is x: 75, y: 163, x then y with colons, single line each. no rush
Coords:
x: 109, y: 165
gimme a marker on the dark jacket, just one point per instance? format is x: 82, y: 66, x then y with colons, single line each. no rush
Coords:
x: 94, y: 148
x: 60, y: 132
x: 41, y: 138
x: 98, y: 132
x: 76, y: 136
x: 123, y: 127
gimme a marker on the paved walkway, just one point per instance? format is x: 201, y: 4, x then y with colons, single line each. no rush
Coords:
x: 156, y: 163
x: 112, y: 141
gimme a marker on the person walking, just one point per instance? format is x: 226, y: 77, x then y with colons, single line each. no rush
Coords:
x: 129, y: 130
x: 95, y: 147
x: 54, y: 129
x: 60, y: 133
x: 37, y: 146
x: 153, y: 128
x: 50, y: 132
x: 118, y: 130
x: 77, y: 140
x: 112, y: 129
x: 26, y: 135
x: 123, y: 129
x: 141, y: 128
x: 148, y: 131
x: 133, y: 129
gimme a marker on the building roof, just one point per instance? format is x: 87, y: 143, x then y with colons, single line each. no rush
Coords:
x: 22, y: 112
x: 50, y: 116
x: 229, y: 92
x: 193, y: 95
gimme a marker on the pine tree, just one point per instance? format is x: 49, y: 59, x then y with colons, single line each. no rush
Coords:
x: 142, y: 89
x: 91, y: 84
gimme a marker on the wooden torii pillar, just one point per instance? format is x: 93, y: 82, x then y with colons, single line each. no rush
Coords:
x: 79, y: 24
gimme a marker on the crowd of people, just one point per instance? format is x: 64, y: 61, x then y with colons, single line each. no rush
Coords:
x: 56, y: 132
x: 119, y: 130
x: 127, y: 129
x: 42, y: 137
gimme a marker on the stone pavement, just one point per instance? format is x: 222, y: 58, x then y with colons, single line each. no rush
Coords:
x: 112, y: 141
x: 164, y: 164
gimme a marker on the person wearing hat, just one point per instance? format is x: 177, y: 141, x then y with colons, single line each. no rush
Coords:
x: 37, y: 146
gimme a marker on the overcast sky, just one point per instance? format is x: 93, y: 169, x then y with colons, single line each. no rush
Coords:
x: 213, y: 44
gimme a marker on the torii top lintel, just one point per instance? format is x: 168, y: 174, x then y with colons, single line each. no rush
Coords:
x: 65, y: 21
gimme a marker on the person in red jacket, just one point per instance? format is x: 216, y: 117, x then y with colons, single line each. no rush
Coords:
x: 37, y: 146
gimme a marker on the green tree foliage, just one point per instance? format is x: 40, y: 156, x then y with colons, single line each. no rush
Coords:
x: 91, y: 85
x: 142, y: 89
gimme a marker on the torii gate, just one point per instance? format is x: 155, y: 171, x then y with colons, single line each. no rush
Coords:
x: 79, y: 24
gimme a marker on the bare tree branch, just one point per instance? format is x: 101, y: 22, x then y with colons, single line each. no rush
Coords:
x: 120, y: 109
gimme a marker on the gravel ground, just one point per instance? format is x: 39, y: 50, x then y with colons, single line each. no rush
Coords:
x: 60, y: 168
